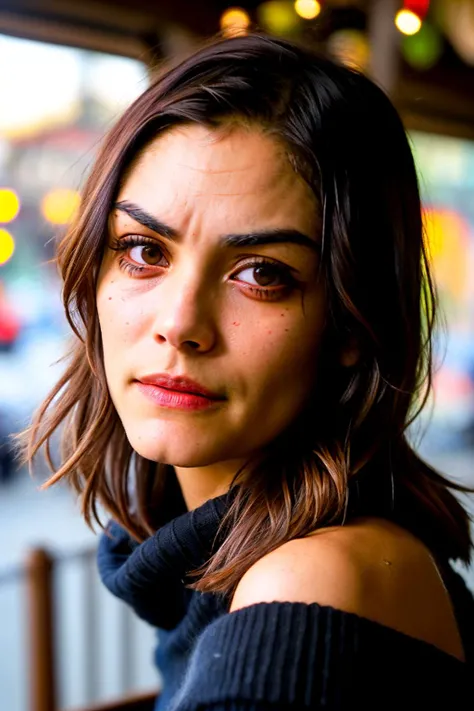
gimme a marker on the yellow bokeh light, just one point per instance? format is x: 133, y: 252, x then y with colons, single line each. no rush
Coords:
x: 7, y: 246
x: 60, y: 205
x: 234, y: 21
x: 278, y: 17
x: 9, y: 205
x: 350, y: 47
x: 407, y: 22
x: 307, y: 9
x: 447, y: 237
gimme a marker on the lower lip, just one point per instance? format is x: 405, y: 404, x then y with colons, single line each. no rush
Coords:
x: 175, y: 399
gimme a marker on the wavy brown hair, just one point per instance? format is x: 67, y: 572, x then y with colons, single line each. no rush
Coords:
x: 348, y: 453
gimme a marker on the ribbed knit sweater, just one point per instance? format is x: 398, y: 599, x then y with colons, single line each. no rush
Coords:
x: 277, y: 656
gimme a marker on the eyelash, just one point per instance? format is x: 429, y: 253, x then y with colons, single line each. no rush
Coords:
x: 128, y: 242
x: 265, y: 293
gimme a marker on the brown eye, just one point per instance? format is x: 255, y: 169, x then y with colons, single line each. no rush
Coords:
x: 266, y: 275
x: 150, y: 255
x: 262, y: 275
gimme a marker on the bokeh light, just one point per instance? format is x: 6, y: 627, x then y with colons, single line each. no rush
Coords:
x: 423, y: 49
x: 447, y: 239
x: 407, y: 22
x: 278, y: 17
x: 234, y: 21
x: 60, y: 205
x: 9, y: 205
x: 351, y: 47
x: 7, y: 246
x: 307, y: 9
x: 418, y: 7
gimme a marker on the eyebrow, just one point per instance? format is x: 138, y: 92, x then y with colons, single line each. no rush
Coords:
x: 144, y: 218
x: 251, y: 239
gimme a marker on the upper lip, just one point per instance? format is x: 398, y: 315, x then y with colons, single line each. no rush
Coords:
x: 179, y: 383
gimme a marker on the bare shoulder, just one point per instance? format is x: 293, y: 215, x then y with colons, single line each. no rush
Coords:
x: 322, y: 568
x: 371, y: 568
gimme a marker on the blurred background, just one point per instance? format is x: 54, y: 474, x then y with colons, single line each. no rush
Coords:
x: 67, y: 70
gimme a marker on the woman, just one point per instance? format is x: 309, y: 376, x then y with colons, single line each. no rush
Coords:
x: 252, y: 309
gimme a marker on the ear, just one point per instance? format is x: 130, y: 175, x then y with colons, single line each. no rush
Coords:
x: 349, y: 354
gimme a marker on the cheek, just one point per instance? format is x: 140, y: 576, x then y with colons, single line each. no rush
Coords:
x: 121, y: 319
x: 285, y: 343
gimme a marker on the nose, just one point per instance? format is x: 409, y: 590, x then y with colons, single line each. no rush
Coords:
x: 185, y: 316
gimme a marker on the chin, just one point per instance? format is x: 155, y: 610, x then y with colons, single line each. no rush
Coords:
x: 179, y: 449
x: 188, y: 459
x: 184, y: 460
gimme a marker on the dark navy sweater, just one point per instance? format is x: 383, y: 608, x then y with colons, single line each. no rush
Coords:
x: 277, y: 656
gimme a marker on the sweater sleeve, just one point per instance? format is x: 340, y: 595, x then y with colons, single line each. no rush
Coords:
x: 149, y: 576
x: 293, y: 656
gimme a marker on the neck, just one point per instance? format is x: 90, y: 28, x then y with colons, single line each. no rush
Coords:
x: 199, y: 484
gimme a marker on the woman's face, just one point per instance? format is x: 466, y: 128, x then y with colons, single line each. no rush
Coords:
x: 208, y: 297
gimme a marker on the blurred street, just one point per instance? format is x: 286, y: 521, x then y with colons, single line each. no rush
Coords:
x: 51, y: 519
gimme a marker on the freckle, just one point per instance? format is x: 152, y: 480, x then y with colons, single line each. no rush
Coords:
x: 269, y: 332
x: 110, y: 298
x: 286, y: 330
x: 282, y: 315
x: 127, y: 323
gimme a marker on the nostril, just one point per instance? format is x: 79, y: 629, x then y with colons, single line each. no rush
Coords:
x: 193, y: 344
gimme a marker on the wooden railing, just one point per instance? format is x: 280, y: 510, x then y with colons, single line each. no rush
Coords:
x: 39, y: 576
x: 42, y: 686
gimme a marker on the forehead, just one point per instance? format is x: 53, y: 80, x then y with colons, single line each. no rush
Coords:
x: 215, y: 155
x: 236, y: 169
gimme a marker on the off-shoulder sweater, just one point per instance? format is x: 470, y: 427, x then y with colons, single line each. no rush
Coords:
x: 278, y: 656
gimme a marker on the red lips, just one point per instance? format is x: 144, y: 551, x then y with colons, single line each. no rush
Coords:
x: 180, y: 384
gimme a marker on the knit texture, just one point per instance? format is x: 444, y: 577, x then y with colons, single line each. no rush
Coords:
x: 298, y: 656
x: 275, y: 656
x: 149, y: 577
